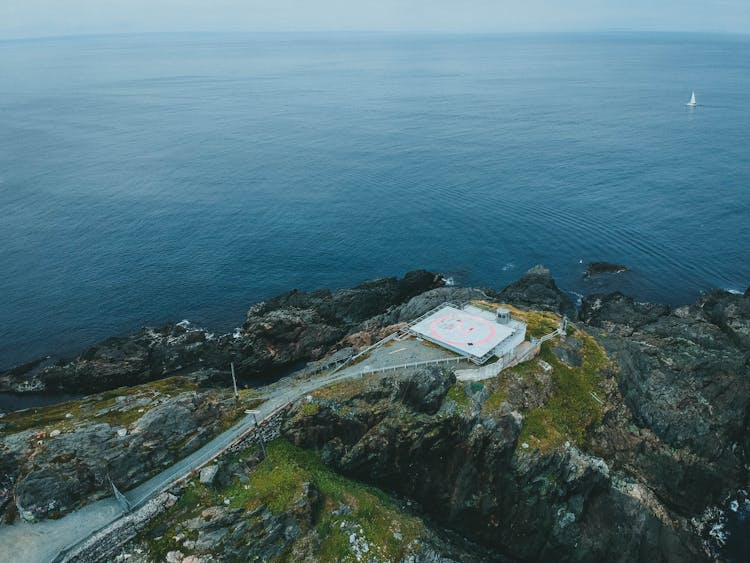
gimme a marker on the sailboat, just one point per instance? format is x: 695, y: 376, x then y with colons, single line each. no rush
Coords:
x: 692, y: 103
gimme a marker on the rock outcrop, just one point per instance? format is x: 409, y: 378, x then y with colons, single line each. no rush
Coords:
x: 63, y: 460
x: 583, y: 456
x: 537, y: 289
x: 277, y: 334
x: 685, y: 377
x: 468, y: 471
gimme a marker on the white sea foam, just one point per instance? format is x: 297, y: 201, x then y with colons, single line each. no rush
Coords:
x: 449, y: 281
x: 579, y: 297
x: 719, y: 533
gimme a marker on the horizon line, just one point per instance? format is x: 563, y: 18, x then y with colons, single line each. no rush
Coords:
x: 339, y: 31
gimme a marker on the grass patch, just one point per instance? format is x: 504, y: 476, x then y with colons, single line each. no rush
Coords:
x: 277, y: 483
x: 310, y: 409
x: 120, y: 404
x: 538, y: 323
x: 457, y: 394
x: 571, y: 410
x: 498, y: 395
x: 343, y: 389
x: 248, y: 393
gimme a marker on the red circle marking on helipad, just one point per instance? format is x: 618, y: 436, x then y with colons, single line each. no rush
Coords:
x: 459, y: 330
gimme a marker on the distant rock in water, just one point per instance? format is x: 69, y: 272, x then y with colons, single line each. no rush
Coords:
x: 598, y: 268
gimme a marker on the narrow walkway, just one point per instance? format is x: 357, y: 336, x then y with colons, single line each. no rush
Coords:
x: 43, y: 541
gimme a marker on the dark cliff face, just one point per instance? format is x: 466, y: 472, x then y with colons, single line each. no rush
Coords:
x: 467, y: 470
x: 685, y: 376
x: 291, y: 328
x: 624, y: 479
x: 537, y: 289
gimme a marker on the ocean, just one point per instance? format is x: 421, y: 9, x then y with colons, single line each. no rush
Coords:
x: 154, y: 178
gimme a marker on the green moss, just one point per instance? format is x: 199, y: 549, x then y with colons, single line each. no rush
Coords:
x: 457, y: 394
x: 277, y: 483
x: 497, y: 397
x: 344, y: 389
x: 120, y: 405
x: 538, y: 323
x: 310, y: 409
x: 160, y: 532
x: 570, y: 410
x: 372, y: 509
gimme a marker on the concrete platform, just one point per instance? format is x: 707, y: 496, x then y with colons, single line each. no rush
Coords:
x: 463, y: 332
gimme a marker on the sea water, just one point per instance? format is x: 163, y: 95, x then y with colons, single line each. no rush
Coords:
x: 157, y: 177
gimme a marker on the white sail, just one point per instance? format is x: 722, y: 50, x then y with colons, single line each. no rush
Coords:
x: 692, y: 101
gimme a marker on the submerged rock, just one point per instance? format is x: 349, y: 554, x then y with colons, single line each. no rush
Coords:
x: 598, y: 268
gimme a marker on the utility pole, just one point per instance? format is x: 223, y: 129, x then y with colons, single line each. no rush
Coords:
x: 234, y: 383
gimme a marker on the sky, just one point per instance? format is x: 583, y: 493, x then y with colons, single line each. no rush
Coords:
x: 35, y: 18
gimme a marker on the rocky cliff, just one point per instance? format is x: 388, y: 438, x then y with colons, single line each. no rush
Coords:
x: 56, y: 459
x: 617, y: 443
x: 277, y: 334
x: 460, y: 451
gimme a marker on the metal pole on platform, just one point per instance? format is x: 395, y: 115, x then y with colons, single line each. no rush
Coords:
x: 234, y: 383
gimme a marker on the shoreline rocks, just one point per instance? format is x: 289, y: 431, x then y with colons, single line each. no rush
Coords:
x: 673, y: 438
x: 277, y: 334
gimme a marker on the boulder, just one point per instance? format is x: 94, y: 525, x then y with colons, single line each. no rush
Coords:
x: 536, y: 289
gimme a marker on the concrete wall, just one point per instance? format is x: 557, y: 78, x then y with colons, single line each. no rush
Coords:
x: 269, y: 429
x: 103, y: 545
x: 509, y: 345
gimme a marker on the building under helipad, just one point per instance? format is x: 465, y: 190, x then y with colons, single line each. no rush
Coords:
x: 470, y: 331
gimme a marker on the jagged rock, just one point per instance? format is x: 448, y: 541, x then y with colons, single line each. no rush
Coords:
x: 674, y: 436
x: 466, y: 472
x: 568, y: 351
x: 425, y: 389
x: 537, y: 289
x: 421, y: 304
x: 208, y: 474
x: 64, y: 473
x: 598, y: 268
x: 685, y: 376
x: 616, y: 311
x: 293, y: 327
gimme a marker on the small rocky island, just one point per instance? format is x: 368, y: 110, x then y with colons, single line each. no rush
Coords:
x: 599, y: 268
x: 622, y: 439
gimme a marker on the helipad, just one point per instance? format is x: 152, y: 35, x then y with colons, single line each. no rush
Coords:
x: 463, y: 332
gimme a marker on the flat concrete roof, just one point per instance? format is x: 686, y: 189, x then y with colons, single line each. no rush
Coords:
x: 462, y: 332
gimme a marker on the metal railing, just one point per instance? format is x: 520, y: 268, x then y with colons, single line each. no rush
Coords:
x: 407, y: 365
x: 367, y: 350
x: 204, y: 455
